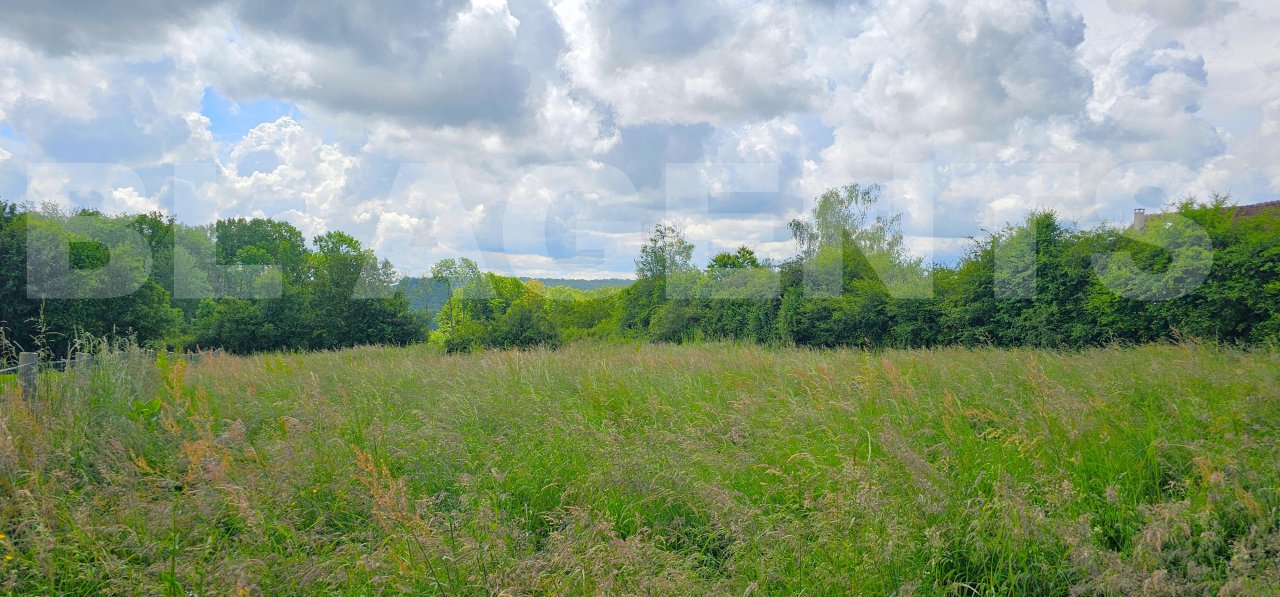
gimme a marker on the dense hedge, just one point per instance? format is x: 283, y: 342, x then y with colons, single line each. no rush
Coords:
x: 1201, y: 271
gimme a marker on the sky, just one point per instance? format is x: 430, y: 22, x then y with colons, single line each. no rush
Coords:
x: 544, y: 137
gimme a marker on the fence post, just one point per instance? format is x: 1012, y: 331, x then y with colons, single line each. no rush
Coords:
x: 28, y: 373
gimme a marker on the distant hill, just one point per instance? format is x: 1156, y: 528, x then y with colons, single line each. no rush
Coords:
x: 426, y: 295
x: 582, y: 284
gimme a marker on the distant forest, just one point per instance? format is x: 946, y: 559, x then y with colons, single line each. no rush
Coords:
x: 1201, y: 271
x: 581, y: 284
x: 430, y: 294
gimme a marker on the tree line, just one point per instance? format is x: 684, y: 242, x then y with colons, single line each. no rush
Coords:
x: 1200, y: 271
x: 240, y: 284
x: 1063, y: 287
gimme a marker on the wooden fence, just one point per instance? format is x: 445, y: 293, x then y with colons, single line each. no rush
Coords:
x: 26, y: 375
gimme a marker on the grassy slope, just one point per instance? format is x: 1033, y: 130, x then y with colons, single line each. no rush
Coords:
x: 653, y: 469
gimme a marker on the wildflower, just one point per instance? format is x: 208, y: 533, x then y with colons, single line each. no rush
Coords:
x: 2, y: 536
x: 8, y: 557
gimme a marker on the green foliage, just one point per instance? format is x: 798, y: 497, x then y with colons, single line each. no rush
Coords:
x: 339, y: 295
x: 665, y: 254
x: 743, y: 258
x: 638, y: 302
x: 1201, y: 271
x: 260, y: 241
x: 491, y: 311
x: 336, y: 296
x: 36, y: 285
x: 674, y: 321
x: 524, y: 325
x: 584, y: 313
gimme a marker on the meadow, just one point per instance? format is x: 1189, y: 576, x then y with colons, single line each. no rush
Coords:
x: 650, y: 469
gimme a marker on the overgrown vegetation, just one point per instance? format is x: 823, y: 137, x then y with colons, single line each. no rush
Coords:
x: 241, y: 284
x: 651, y: 469
x: 1197, y: 272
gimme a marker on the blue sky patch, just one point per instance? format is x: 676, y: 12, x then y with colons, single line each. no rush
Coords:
x: 230, y: 120
x: 7, y: 132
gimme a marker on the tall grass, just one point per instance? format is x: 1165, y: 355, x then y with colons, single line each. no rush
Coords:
x: 598, y: 468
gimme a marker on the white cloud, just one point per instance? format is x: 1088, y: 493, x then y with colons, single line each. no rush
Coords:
x: 1020, y: 104
x: 575, y: 124
x: 954, y: 76
x: 723, y: 64
x: 1265, y: 145
x: 305, y: 183
x: 410, y: 61
x: 1177, y: 12
x: 128, y: 200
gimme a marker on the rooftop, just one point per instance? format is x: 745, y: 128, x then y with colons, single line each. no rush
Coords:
x: 1141, y: 217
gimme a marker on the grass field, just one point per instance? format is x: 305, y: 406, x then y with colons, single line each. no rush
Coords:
x: 712, y: 469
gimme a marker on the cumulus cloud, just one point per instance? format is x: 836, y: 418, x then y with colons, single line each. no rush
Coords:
x: 445, y: 64
x: 539, y: 136
x: 62, y: 28
x: 1177, y: 12
x: 283, y: 170
x: 662, y: 62
x: 957, y: 75
x: 1266, y: 144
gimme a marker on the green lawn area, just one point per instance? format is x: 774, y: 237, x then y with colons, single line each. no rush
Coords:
x: 652, y: 469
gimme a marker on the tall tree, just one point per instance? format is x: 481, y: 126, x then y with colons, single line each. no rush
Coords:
x: 743, y: 258
x: 666, y: 253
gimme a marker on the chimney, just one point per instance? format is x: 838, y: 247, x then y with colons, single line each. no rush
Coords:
x: 1139, y: 218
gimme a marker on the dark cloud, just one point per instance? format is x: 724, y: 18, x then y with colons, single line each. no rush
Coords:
x: 439, y: 63
x: 453, y: 94
x: 89, y: 26
x: 645, y: 151
x: 393, y: 32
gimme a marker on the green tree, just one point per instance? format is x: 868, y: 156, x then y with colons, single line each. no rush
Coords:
x: 743, y: 258
x: 665, y: 254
